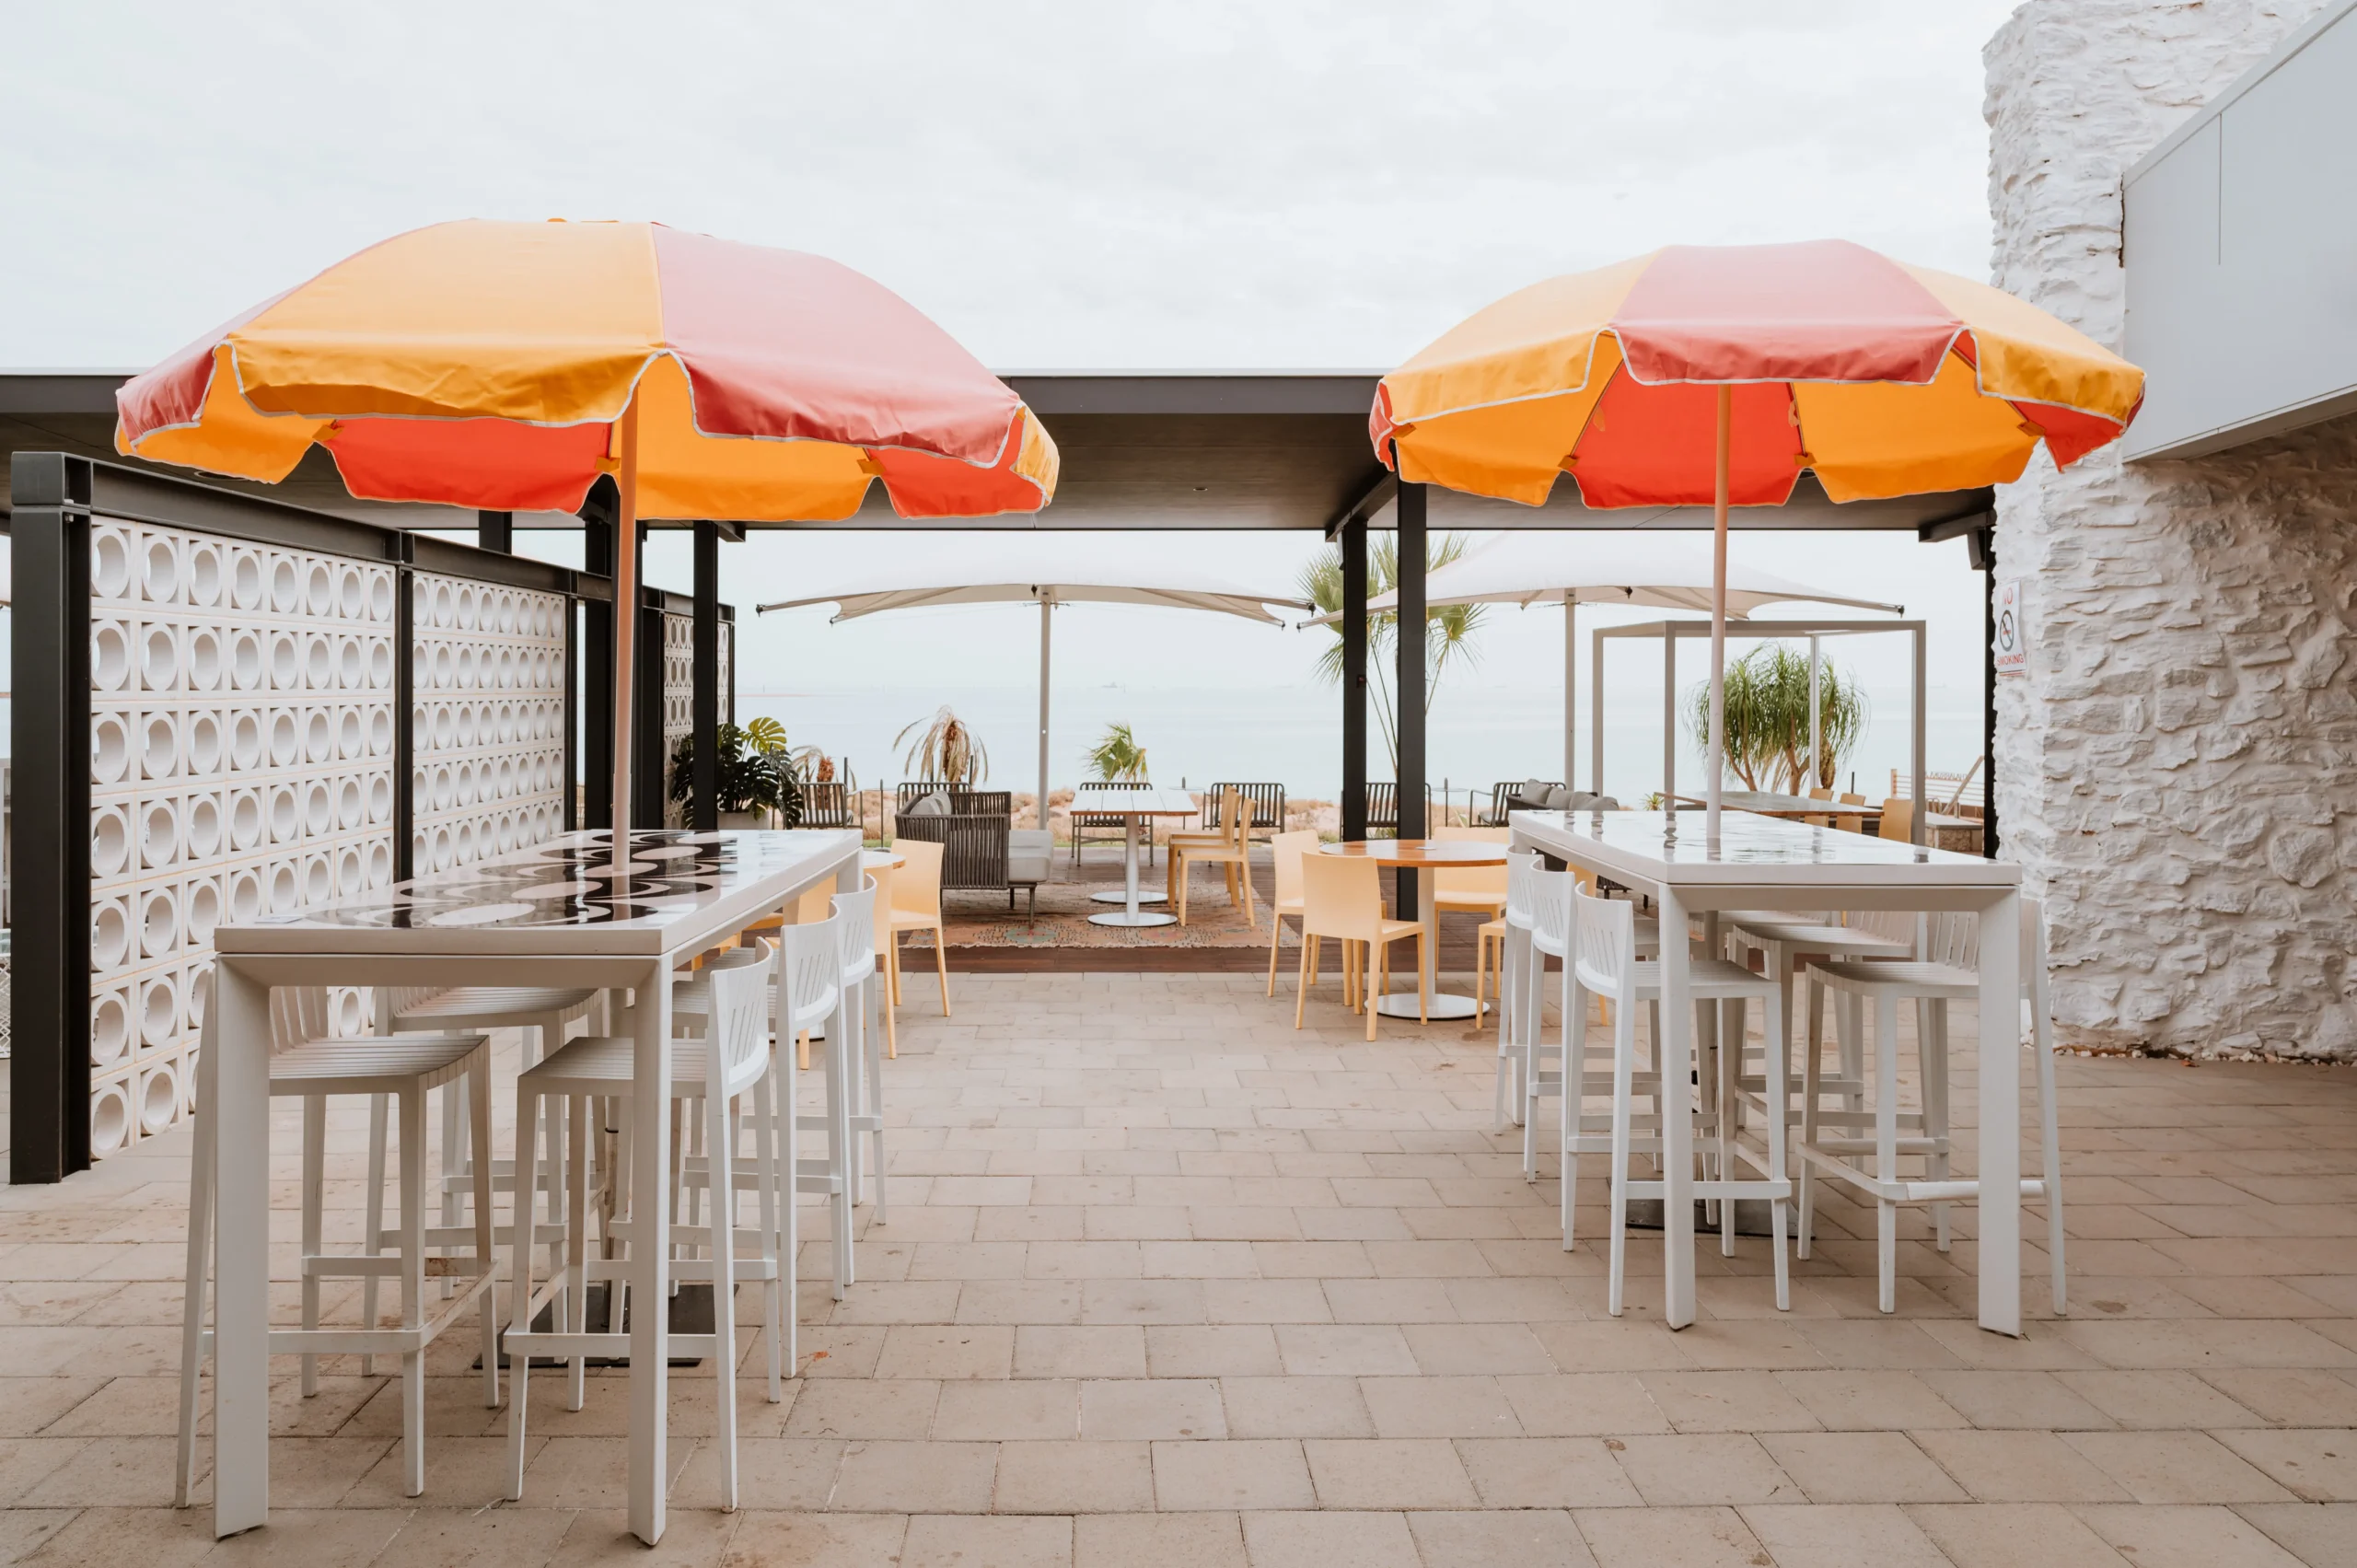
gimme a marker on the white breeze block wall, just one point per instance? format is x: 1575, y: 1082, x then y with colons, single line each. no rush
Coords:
x: 2177, y: 772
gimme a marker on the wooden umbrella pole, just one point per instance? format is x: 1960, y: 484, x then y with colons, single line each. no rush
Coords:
x: 1715, y: 763
x: 626, y: 625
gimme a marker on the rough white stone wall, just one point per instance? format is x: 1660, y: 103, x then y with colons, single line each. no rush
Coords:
x: 2177, y: 772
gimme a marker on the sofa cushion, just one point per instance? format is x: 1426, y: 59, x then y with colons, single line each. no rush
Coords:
x: 933, y: 805
x: 1029, y: 852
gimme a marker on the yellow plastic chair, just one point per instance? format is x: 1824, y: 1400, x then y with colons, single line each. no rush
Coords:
x: 1898, y: 819
x: 1818, y: 792
x: 1344, y: 898
x: 1472, y: 890
x: 1289, y: 849
x: 1855, y: 824
x: 1231, y: 849
x: 916, y: 906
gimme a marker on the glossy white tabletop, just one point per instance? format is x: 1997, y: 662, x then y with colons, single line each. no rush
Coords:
x: 564, y: 896
x: 1135, y: 802
x: 1668, y: 846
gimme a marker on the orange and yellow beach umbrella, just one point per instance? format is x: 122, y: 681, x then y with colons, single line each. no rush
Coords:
x: 1715, y: 374
x: 506, y: 366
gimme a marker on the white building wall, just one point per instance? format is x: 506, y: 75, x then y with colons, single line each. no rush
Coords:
x: 2177, y: 772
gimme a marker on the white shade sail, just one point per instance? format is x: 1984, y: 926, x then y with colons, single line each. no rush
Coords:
x: 1071, y: 574
x: 1664, y: 571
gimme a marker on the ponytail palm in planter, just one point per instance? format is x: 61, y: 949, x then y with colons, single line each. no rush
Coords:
x: 757, y: 776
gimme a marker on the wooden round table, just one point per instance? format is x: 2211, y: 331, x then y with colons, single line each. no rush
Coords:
x: 1427, y: 856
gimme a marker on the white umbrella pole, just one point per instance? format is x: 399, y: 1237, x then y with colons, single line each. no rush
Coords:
x: 626, y: 625
x: 1047, y: 604
x: 1570, y: 685
x: 1815, y: 730
x: 1715, y: 763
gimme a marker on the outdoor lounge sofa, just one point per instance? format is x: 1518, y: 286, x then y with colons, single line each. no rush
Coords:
x: 975, y: 828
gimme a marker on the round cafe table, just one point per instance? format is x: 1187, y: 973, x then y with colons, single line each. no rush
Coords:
x: 1427, y: 856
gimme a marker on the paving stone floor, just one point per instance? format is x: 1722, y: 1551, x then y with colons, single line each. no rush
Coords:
x: 1167, y: 1283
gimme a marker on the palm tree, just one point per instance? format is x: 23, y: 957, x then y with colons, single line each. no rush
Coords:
x: 1767, y: 719
x: 1448, y: 629
x: 1118, y: 756
x: 947, y: 750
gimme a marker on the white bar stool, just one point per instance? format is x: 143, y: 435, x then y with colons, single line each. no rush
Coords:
x: 1949, y: 972
x: 1551, y: 936
x: 730, y: 1064
x: 306, y: 1063
x: 1514, y: 1011
x: 1605, y: 963
x: 864, y: 1048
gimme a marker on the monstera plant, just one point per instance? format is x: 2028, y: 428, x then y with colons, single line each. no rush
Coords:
x: 757, y: 774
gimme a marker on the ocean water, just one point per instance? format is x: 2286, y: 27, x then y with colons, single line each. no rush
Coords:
x: 1478, y: 736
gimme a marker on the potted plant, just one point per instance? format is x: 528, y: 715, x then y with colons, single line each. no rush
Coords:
x: 1117, y: 757
x: 758, y: 775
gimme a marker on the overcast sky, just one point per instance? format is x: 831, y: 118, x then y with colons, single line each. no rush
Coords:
x: 1081, y: 185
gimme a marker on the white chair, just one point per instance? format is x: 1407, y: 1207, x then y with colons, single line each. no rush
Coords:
x: 1551, y: 936
x: 1514, y: 954
x: 542, y: 1012
x: 856, y: 919
x: 1787, y: 943
x: 728, y: 1065
x: 1948, y: 972
x: 306, y: 1063
x: 1606, y: 964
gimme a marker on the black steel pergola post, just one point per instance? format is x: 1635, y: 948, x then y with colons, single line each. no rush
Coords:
x: 495, y: 530
x: 1352, y: 541
x: 706, y: 714
x: 598, y: 661
x: 1408, y: 682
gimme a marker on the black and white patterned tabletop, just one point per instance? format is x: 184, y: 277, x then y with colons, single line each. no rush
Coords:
x: 572, y: 881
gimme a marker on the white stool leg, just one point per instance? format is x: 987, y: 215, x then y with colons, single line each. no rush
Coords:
x: 314, y: 1154
x: 840, y: 1154
x: 2051, y: 1136
x: 412, y: 1134
x: 1732, y: 1014
x: 1624, y: 1061
x: 871, y: 1042
x: 1931, y: 1058
x: 454, y: 1156
x: 765, y: 1152
x: 1575, y: 1082
x: 200, y: 1271
x: 1886, y: 1144
x: 720, y: 1137
x: 478, y: 1082
x: 1812, y: 1067
x: 519, y: 1283
x: 373, y: 1218
x: 574, y: 1313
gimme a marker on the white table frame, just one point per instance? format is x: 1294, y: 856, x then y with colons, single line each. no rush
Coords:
x: 1129, y: 805
x: 1818, y: 877
x: 233, y: 1083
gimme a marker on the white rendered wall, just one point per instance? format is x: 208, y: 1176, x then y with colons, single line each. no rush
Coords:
x: 2177, y: 772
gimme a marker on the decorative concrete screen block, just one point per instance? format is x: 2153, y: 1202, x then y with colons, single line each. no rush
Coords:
x: 242, y: 757
x: 2174, y: 771
x: 487, y: 719
x: 680, y: 691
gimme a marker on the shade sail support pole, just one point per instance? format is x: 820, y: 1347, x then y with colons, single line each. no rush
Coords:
x: 1716, y: 764
x: 625, y: 627
x: 1570, y: 688
x: 1815, y: 725
x: 1047, y: 609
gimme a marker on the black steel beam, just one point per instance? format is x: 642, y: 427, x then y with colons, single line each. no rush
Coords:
x: 1408, y: 684
x: 707, y: 715
x: 1353, y: 550
x: 49, y: 1105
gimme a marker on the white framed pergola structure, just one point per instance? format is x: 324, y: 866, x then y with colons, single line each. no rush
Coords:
x: 1670, y: 633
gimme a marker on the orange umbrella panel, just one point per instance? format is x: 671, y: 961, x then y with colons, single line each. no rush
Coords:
x: 486, y: 365
x: 1885, y: 379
